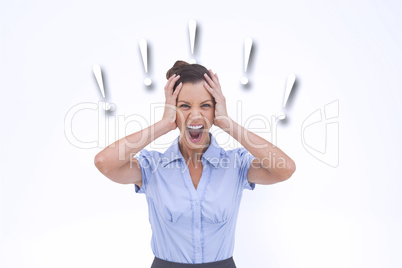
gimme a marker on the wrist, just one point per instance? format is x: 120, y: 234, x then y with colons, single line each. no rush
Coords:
x: 224, y: 122
x: 168, y: 124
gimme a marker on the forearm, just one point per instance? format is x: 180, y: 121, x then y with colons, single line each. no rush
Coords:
x: 269, y: 156
x: 120, y: 152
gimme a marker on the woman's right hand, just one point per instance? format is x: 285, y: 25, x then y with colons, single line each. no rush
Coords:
x: 169, y: 113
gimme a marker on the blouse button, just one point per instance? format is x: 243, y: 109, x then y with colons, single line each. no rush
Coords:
x: 196, y: 225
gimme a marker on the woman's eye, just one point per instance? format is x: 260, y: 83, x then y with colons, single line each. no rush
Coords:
x: 184, y: 105
x: 206, y: 105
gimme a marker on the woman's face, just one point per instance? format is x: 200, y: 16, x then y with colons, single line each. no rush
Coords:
x: 195, y: 109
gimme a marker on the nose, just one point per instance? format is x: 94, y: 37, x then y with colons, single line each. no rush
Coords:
x: 195, y: 114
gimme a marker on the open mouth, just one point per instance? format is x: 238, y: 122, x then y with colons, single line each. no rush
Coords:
x: 195, y: 132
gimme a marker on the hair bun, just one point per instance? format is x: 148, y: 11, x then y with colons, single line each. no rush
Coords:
x: 177, y: 65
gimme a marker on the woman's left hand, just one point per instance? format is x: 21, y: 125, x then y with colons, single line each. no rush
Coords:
x: 213, y: 86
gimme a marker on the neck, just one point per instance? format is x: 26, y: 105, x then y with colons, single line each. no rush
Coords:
x: 193, y: 156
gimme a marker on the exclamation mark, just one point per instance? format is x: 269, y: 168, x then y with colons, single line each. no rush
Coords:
x: 98, y: 75
x: 144, y: 54
x: 289, y: 86
x: 192, y: 28
x: 248, y: 44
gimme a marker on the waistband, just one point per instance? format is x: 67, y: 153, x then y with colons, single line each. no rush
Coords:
x: 159, y: 263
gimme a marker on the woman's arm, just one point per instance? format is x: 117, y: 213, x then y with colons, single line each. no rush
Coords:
x: 116, y: 160
x: 119, y: 153
x: 271, y: 164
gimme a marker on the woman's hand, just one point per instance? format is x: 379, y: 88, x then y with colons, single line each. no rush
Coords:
x: 169, y: 113
x: 213, y: 86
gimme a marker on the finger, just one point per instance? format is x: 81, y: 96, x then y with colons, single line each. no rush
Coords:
x: 172, y: 82
x: 210, y: 89
x: 217, y: 85
x: 177, y: 90
x: 213, y: 76
x: 171, y: 78
x: 210, y: 82
x: 168, y: 81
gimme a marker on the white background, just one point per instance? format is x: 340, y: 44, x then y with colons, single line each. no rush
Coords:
x: 58, y: 210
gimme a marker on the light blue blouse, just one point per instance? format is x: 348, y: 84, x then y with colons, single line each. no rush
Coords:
x: 194, y: 225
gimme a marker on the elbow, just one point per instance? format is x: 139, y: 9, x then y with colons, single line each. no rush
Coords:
x: 100, y: 164
x: 288, y: 170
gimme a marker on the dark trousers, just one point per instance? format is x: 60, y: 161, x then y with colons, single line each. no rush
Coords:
x: 159, y: 263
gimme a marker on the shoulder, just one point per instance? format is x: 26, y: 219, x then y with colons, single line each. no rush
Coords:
x: 235, y: 158
x: 237, y: 153
x: 151, y: 156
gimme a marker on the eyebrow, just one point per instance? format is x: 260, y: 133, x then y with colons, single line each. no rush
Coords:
x: 188, y: 102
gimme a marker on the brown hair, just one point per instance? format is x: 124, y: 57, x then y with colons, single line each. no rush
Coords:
x: 189, y: 73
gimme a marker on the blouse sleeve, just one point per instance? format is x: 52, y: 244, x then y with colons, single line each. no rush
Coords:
x: 145, y: 160
x: 245, y: 159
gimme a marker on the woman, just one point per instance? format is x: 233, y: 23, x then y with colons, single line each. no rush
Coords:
x: 194, y: 188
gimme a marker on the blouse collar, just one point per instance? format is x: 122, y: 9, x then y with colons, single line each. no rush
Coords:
x: 212, y: 154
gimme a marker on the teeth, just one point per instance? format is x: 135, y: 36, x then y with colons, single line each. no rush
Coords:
x: 195, y: 127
